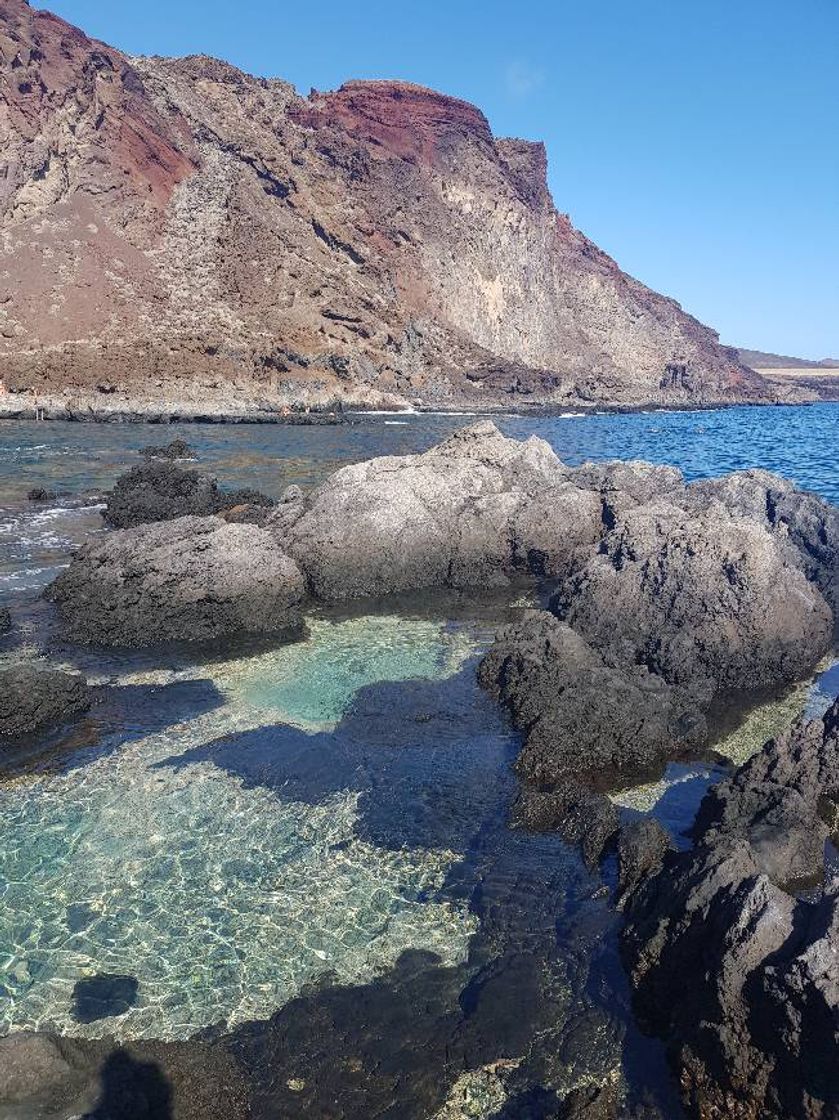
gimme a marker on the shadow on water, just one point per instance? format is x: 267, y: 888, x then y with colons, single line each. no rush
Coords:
x: 132, y: 1090
x: 541, y: 991
x: 421, y: 781
x: 118, y: 716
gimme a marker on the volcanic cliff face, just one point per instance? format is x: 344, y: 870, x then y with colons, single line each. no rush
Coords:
x: 177, y: 227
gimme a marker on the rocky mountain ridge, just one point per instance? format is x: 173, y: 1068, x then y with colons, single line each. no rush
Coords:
x: 175, y: 229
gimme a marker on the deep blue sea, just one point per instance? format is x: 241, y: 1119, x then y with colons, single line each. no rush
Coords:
x: 306, y: 848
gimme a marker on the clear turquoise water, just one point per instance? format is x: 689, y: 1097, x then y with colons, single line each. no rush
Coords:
x: 233, y: 830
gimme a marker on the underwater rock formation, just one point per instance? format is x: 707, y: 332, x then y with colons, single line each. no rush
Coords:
x: 756, y: 1031
x: 32, y: 697
x: 190, y: 579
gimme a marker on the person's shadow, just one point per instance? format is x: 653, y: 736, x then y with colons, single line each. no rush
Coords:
x: 132, y: 1090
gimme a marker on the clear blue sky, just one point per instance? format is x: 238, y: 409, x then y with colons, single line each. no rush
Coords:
x: 697, y: 141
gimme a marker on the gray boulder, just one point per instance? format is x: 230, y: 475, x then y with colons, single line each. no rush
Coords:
x: 32, y: 697
x: 190, y: 579
x: 805, y: 521
x: 705, y: 600
x: 470, y: 512
x: 755, y: 1031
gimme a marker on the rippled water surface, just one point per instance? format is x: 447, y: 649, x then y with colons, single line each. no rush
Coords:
x: 268, y: 840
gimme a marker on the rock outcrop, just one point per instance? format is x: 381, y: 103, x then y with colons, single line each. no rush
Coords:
x: 470, y: 512
x: 756, y: 1031
x: 709, y: 602
x: 181, y: 233
x: 191, y: 579
x: 32, y: 697
x: 689, y: 599
x: 158, y: 490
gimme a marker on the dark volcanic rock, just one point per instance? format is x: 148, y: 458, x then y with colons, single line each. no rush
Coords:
x: 40, y: 494
x: 177, y: 449
x: 740, y: 976
x: 642, y: 845
x: 161, y: 491
x: 585, y: 722
x: 578, y: 814
x: 31, y: 697
x: 43, y: 1075
x: 5, y: 620
x: 190, y: 579
x: 707, y: 601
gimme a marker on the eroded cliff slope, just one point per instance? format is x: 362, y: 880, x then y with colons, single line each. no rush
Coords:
x: 179, y: 229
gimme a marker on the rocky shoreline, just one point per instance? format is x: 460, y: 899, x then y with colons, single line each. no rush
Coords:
x: 667, y: 603
x: 303, y: 413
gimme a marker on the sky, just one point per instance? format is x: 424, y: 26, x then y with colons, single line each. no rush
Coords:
x: 696, y: 141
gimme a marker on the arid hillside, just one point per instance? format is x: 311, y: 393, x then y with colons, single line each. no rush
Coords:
x: 179, y: 230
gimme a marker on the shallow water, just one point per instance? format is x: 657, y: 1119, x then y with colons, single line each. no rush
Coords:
x: 268, y: 839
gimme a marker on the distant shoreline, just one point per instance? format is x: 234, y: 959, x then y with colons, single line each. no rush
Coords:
x: 345, y: 411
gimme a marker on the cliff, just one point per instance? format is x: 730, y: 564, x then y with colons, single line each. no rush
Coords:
x: 177, y: 229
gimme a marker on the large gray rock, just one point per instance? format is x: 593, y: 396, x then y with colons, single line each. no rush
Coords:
x: 184, y: 580
x: 706, y: 600
x: 32, y: 697
x: 469, y: 512
x: 805, y: 521
x: 755, y: 1031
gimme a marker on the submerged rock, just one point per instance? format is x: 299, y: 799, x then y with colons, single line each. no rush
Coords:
x: 755, y: 1031
x: 32, y: 697
x: 161, y: 491
x: 469, y: 512
x: 102, y: 996
x: 177, y: 449
x: 189, y: 579
x: 41, y: 494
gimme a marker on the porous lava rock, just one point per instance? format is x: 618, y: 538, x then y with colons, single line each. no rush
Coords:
x: 33, y: 697
x: 706, y: 600
x: 736, y: 971
x: 158, y: 490
x: 584, y: 721
x: 45, y: 1075
x: 806, y: 522
x: 189, y: 579
x: 175, y: 449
